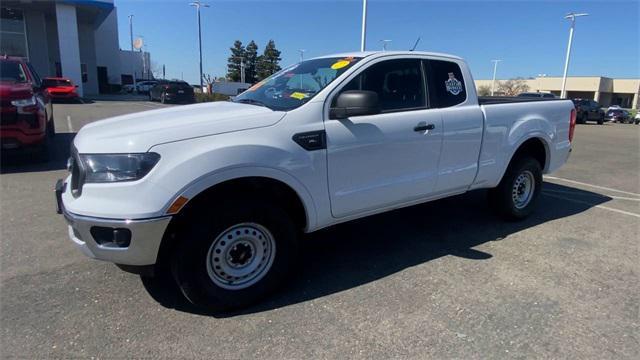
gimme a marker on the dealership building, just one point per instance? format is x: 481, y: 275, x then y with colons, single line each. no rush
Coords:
x: 77, y: 39
x: 604, y: 90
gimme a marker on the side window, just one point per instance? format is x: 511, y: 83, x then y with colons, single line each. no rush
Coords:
x: 399, y: 84
x: 446, y: 84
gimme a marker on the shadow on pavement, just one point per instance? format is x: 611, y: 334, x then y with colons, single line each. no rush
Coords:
x: 356, y: 253
x: 20, y: 161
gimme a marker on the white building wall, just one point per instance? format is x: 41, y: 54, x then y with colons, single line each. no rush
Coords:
x: 132, y: 63
x: 37, y: 41
x: 68, y: 43
x: 107, y: 48
x: 88, y: 57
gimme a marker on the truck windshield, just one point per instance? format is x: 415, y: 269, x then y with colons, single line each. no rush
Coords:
x: 12, y: 71
x: 297, y: 84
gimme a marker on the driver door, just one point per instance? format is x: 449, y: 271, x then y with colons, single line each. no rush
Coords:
x: 376, y: 161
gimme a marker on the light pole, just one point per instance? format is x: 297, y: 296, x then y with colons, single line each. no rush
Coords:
x: 301, y: 51
x: 540, y: 76
x: 131, y: 31
x: 495, y: 69
x: 242, y: 70
x: 572, y: 17
x: 363, y: 37
x: 384, y: 44
x: 197, y: 4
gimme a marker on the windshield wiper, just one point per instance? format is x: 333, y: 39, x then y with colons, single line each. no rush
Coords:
x: 251, y: 101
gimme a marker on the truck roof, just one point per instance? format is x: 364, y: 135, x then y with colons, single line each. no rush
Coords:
x: 363, y: 54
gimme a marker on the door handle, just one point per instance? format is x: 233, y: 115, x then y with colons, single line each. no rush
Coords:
x: 424, y: 127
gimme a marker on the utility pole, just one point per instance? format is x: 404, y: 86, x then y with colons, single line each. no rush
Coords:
x: 495, y: 69
x: 572, y: 17
x: 197, y: 4
x: 363, y: 37
x: 301, y: 51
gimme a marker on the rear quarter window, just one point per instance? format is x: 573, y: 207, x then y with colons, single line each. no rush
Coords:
x: 446, y: 84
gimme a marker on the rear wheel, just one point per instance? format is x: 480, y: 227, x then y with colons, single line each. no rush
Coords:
x: 516, y: 195
x: 601, y: 120
x: 235, y: 256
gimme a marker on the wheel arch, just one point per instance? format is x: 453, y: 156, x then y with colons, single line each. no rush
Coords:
x: 534, y: 145
x: 273, y: 183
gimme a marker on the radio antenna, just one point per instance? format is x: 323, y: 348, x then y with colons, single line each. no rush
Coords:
x: 416, y: 44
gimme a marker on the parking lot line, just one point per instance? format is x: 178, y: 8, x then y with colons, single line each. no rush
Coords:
x: 592, y: 204
x: 69, y: 125
x: 591, y: 185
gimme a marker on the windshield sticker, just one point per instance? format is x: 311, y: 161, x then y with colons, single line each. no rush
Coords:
x: 298, y: 95
x: 340, y: 64
x: 453, y: 85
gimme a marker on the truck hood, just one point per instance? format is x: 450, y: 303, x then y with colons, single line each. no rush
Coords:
x: 138, y: 132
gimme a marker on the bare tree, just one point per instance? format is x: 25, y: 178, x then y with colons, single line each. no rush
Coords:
x: 513, y: 87
x: 484, y: 90
x: 209, y: 80
x: 156, y: 70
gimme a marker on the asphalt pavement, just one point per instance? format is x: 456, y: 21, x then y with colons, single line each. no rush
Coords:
x: 441, y: 280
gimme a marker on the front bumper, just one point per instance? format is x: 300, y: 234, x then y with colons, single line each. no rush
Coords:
x: 146, y: 235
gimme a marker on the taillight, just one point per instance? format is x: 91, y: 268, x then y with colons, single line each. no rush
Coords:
x: 572, y: 124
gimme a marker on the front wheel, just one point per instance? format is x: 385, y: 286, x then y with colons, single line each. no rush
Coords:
x: 516, y: 195
x: 235, y: 256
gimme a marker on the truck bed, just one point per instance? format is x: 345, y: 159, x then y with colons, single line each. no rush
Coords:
x: 488, y: 100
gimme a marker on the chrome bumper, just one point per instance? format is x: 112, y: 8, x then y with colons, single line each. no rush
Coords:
x: 146, y: 236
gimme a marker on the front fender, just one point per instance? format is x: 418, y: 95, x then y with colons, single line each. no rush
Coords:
x: 217, y: 177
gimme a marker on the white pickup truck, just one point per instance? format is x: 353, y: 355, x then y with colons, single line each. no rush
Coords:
x: 219, y: 193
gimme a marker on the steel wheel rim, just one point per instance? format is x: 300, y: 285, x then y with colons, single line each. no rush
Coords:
x: 240, y: 256
x: 523, y: 189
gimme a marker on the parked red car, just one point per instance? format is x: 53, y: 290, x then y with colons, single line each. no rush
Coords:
x: 60, y: 88
x: 26, y: 113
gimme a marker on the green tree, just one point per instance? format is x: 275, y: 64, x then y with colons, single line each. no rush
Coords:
x: 250, y: 62
x: 238, y: 52
x: 268, y: 63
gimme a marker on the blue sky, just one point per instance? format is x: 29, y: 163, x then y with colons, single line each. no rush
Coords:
x: 530, y: 36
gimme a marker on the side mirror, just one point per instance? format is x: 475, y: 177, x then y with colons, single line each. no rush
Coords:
x: 355, y: 103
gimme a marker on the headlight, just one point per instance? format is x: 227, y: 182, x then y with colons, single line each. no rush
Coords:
x: 101, y: 168
x: 24, y: 102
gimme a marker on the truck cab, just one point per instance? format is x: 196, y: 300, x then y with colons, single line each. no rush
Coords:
x: 220, y: 193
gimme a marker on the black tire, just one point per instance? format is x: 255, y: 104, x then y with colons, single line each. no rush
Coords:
x: 501, y: 198
x: 601, y: 121
x: 51, y: 127
x: 204, y: 232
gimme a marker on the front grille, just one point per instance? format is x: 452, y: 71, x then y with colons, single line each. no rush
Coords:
x: 7, y: 118
x: 8, y: 114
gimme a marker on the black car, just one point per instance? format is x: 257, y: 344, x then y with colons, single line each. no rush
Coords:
x: 172, y: 91
x: 588, y: 110
x: 619, y: 115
